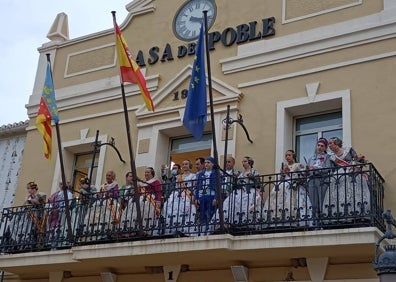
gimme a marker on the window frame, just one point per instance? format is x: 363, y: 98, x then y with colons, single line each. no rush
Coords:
x: 312, y: 104
x: 318, y: 131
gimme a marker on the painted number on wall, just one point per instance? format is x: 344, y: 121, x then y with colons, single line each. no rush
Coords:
x: 170, y: 276
x: 183, y: 95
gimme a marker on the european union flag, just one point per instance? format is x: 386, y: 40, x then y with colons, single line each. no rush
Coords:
x: 195, y: 114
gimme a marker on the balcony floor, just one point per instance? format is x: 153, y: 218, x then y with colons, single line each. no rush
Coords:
x: 204, y: 253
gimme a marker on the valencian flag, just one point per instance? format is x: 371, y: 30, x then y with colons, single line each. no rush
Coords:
x: 195, y: 113
x: 129, y: 69
x: 47, y: 111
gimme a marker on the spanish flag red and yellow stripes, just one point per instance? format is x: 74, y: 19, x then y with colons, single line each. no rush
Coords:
x: 129, y: 69
x: 43, y: 123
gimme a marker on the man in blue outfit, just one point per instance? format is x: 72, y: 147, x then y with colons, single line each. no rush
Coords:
x: 205, y: 193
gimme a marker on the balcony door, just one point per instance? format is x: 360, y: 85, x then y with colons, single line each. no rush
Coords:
x: 310, y: 129
x: 188, y: 148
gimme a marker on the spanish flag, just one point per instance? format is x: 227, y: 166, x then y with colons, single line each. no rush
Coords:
x: 47, y: 111
x: 129, y: 70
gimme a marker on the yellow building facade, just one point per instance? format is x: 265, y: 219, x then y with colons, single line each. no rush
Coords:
x: 295, y: 70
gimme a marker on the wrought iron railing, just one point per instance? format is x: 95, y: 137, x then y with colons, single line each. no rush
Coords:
x: 308, y: 200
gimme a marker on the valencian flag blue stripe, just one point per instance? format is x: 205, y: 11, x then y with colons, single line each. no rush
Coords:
x: 195, y: 113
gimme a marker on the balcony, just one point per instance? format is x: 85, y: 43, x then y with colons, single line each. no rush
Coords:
x: 264, y: 213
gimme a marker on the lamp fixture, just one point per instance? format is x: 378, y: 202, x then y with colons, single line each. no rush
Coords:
x: 385, y: 263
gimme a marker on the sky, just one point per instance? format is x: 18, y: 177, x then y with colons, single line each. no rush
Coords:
x: 24, y: 25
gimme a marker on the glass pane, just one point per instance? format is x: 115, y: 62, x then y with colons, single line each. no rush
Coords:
x: 332, y: 133
x: 306, y: 144
x: 305, y: 147
x: 190, y: 144
x: 319, y: 121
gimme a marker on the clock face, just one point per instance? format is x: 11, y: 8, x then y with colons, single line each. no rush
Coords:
x: 188, y: 19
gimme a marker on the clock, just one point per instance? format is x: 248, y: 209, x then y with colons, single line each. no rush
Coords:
x: 188, y: 19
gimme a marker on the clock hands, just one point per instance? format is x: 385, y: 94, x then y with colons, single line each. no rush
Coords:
x: 190, y: 16
x: 196, y: 19
x: 199, y: 19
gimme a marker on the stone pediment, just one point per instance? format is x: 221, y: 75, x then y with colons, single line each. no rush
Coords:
x: 138, y: 7
x: 171, y: 97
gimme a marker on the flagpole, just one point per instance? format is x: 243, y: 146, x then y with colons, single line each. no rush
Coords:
x: 132, y: 161
x: 215, y: 153
x: 64, y: 185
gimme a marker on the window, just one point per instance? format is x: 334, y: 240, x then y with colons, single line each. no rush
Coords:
x: 83, y: 166
x: 77, y: 155
x: 302, y: 120
x: 309, y: 129
x: 188, y: 144
x: 189, y: 149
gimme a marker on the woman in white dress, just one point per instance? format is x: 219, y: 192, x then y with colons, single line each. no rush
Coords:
x: 288, y: 203
x: 57, y: 226
x: 348, y: 194
x: 86, y: 196
x: 128, y: 222
x: 179, y: 213
x: 150, y: 201
x: 242, y: 208
x: 105, y: 213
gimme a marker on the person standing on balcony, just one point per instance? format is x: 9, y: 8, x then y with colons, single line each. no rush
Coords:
x: 205, y: 194
x: 152, y: 187
x: 288, y: 203
x: 318, y: 179
x: 110, y: 188
x: 175, y: 172
x: 150, y: 203
x: 57, y: 214
x: 179, y: 212
x: 243, y: 206
x: 56, y: 204
x: 249, y: 199
x: 199, y: 164
x: 349, y: 194
x: 105, y: 213
x: 87, y: 191
x: 127, y: 188
x: 34, y: 197
x: 171, y: 182
x: 126, y: 199
x: 230, y: 177
x: 87, y: 196
x: 151, y: 190
x: 27, y: 223
x: 110, y: 191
